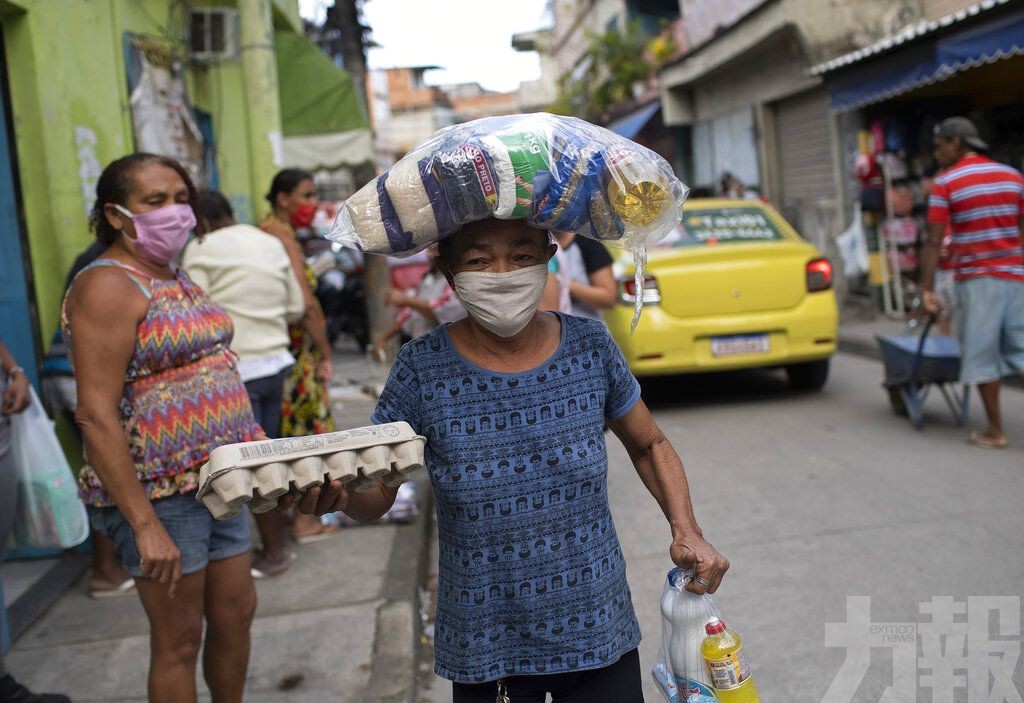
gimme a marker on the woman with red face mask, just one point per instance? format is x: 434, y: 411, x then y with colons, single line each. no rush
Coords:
x: 158, y: 390
x: 306, y: 409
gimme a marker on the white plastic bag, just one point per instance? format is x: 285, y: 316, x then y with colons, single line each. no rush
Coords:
x: 680, y: 671
x: 48, y: 513
x: 853, y: 247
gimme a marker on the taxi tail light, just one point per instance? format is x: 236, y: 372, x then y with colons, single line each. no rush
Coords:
x: 627, y: 290
x: 819, y: 275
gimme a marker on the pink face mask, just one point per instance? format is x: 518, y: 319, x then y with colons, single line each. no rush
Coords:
x: 161, y: 234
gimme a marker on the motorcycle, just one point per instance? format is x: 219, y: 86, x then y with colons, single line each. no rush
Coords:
x: 340, y: 289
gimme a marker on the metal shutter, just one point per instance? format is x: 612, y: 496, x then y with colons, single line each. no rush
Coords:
x: 806, y: 166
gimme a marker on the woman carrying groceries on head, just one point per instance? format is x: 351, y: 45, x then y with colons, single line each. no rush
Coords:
x: 306, y: 409
x: 532, y: 592
x: 157, y: 391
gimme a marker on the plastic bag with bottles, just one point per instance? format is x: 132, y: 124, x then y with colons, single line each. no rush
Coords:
x: 700, y: 660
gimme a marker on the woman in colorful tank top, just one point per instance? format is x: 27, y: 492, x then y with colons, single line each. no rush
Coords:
x: 306, y: 409
x: 157, y: 391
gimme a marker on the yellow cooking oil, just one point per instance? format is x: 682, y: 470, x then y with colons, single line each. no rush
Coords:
x: 728, y: 668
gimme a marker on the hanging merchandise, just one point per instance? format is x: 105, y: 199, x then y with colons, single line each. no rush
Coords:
x: 896, y: 135
x: 701, y: 660
x: 877, y: 129
x: 902, y: 198
x: 868, y: 171
x: 901, y: 231
x: 555, y: 173
x: 853, y: 247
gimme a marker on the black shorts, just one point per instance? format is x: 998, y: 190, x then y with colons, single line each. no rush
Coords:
x: 615, y: 683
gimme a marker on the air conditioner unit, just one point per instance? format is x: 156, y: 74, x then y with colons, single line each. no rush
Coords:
x: 213, y: 34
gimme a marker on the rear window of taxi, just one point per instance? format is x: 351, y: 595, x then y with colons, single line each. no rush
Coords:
x: 728, y: 225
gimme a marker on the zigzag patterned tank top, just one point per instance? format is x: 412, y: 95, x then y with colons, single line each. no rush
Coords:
x: 182, y: 395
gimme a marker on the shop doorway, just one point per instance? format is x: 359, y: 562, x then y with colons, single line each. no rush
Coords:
x: 16, y: 328
x: 726, y: 144
x: 807, y: 188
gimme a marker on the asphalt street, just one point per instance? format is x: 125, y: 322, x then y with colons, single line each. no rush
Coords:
x: 817, y: 497
x: 813, y: 497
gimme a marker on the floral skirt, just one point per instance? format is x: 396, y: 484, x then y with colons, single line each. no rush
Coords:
x: 306, y: 408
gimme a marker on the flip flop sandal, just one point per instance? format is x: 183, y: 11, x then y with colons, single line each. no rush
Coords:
x: 124, y: 588
x: 271, y: 569
x: 980, y: 440
x: 325, y: 532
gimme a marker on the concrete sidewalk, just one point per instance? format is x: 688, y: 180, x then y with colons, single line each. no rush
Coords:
x: 342, y: 625
x: 858, y: 336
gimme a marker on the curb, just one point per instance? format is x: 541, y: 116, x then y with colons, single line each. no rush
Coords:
x: 53, y: 584
x: 859, y: 347
x: 396, y: 647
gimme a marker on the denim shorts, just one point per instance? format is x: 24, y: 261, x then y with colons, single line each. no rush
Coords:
x: 990, y: 314
x: 195, y: 533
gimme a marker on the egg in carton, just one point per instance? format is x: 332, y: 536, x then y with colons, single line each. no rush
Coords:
x: 259, y: 473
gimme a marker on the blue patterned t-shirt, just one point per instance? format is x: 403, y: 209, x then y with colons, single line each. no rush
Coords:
x: 532, y: 578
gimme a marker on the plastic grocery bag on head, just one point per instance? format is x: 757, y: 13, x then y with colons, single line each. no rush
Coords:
x: 48, y: 511
x: 681, y: 671
x: 555, y: 173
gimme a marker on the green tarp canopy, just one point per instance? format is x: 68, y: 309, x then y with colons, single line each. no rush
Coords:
x: 323, y: 121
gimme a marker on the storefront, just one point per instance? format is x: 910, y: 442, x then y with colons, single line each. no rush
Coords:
x: 753, y: 111
x: 889, y: 96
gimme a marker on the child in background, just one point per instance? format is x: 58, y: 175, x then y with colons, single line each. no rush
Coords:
x: 434, y: 304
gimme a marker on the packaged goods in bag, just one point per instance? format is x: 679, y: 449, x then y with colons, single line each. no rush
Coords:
x: 48, y: 512
x: 727, y: 664
x: 697, y: 650
x: 560, y: 174
x: 557, y: 173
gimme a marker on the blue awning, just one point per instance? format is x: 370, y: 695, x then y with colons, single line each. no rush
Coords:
x: 630, y: 125
x: 929, y: 61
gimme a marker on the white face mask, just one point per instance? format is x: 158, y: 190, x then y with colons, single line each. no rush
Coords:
x: 502, y: 302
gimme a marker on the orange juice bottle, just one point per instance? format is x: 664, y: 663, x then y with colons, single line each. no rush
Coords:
x: 727, y: 664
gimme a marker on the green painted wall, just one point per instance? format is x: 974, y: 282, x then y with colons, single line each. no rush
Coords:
x: 69, y: 96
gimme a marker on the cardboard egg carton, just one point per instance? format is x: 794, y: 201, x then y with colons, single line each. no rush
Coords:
x: 258, y: 473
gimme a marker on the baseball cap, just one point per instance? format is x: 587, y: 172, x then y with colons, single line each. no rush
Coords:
x: 963, y: 128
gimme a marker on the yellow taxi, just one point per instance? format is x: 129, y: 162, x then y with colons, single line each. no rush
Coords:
x: 733, y: 287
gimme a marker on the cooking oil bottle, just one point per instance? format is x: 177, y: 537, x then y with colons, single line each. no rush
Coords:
x: 727, y: 664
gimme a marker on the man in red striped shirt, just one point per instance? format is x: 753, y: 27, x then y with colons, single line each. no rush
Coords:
x: 983, y: 202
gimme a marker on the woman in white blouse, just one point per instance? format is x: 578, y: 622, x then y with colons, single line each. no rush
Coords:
x: 248, y: 273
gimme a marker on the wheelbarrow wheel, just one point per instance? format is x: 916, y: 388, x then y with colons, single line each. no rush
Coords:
x: 896, y: 402
x: 810, y: 376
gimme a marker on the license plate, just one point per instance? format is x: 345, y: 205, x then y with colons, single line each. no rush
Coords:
x: 740, y: 344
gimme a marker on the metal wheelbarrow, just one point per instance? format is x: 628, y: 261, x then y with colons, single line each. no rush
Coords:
x: 915, y: 365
